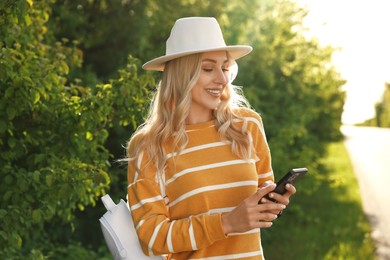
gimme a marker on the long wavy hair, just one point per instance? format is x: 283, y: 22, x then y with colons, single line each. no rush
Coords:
x: 170, y: 107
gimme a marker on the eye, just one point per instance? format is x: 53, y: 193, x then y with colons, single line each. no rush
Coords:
x: 225, y: 69
x: 207, y: 69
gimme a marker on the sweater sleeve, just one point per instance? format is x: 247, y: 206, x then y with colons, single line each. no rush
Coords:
x: 157, y: 233
x: 263, y: 153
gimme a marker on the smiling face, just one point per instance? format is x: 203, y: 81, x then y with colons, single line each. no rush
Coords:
x: 206, y: 94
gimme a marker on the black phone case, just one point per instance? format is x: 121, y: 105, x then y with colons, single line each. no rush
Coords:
x: 292, y: 176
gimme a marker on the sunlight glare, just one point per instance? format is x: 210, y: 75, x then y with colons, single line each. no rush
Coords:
x: 361, y: 29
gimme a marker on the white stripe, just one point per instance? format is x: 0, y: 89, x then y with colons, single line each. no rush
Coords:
x: 261, y: 246
x: 141, y: 155
x: 211, y: 188
x: 199, y: 147
x: 140, y: 224
x: 235, y: 256
x: 205, y: 167
x: 131, y: 184
x: 169, y: 237
x: 192, y: 236
x: 255, y: 230
x: 265, y: 175
x: 144, y: 220
x: 219, y: 210
x: 143, y: 202
x: 260, y: 126
x: 154, y: 236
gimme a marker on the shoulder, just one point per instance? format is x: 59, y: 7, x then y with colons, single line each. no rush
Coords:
x: 253, y: 121
x: 249, y: 115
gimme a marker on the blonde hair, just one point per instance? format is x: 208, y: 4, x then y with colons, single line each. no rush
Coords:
x: 170, y: 107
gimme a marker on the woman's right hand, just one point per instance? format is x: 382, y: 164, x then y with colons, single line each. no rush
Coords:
x: 249, y: 214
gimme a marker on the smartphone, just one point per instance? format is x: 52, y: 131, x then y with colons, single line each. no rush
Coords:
x: 292, y: 176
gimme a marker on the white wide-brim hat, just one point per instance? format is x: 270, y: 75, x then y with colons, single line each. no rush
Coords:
x: 195, y: 35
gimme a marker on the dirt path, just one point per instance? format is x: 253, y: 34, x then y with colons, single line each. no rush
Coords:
x: 369, y: 149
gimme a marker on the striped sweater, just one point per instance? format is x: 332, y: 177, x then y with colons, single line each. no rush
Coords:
x: 203, y: 182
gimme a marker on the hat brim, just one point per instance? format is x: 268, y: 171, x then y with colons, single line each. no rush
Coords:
x: 235, y: 52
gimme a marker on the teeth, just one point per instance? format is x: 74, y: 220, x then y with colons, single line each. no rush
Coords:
x: 213, y: 91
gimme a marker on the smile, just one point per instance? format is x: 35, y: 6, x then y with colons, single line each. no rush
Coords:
x: 215, y: 92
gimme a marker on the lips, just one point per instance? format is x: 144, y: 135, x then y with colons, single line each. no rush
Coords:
x: 214, y: 92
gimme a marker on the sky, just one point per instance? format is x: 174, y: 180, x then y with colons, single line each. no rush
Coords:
x: 361, y: 28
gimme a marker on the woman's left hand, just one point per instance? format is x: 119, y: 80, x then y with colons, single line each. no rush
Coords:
x: 281, y: 199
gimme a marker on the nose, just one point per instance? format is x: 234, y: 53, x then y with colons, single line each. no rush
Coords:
x: 222, y: 77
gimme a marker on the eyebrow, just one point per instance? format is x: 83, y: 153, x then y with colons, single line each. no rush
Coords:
x: 215, y: 61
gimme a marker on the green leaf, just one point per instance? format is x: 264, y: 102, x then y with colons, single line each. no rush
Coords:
x: 64, y: 67
x: 27, y: 20
x: 29, y: 198
x: 81, y: 207
x: 36, y: 176
x: 37, y: 215
x: 49, y: 180
x: 8, y: 179
x: 89, y: 136
x: 9, y: 92
x: 11, y: 142
x: 11, y: 112
x: 3, y: 212
x: 36, y: 96
x: 16, y: 238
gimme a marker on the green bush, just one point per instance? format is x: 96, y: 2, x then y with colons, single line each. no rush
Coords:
x: 52, y: 133
x: 61, y: 126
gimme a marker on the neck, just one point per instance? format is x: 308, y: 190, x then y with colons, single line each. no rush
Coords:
x: 195, y: 118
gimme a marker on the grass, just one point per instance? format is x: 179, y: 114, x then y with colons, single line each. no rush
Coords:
x: 325, y: 219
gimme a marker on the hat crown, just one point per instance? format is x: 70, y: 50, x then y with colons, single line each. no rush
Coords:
x: 194, y: 34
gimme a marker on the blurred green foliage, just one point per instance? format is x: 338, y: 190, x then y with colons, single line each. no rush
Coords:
x: 71, y: 95
x: 382, y: 111
x: 382, y: 108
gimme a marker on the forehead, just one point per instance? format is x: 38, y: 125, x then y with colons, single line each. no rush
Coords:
x: 217, y: 56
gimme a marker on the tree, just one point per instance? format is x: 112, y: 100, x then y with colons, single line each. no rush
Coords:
x: 106, y: 31
x: 52, y: 133
x: 382, y: 108
x: 70, y: 96
x: 290, y: 80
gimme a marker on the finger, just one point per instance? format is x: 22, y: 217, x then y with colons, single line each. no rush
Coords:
x: 270, y: 198
x: 264, y: 200
x: 268, y: 216
x: 283, y: 199
x: 291, y: 189
x: 276, y: 212
x: 261, y: 192
x: 276, y: 208
x: 262, y: 224
x: 266, y: 183
x: 272, y: 206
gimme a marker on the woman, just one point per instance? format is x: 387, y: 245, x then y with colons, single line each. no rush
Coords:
x: 200, y: 163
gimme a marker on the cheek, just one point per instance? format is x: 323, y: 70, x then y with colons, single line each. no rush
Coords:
x: 204, y: 79
x: 199, y: 86
x: 201, y: 82
x: 196, y: 94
